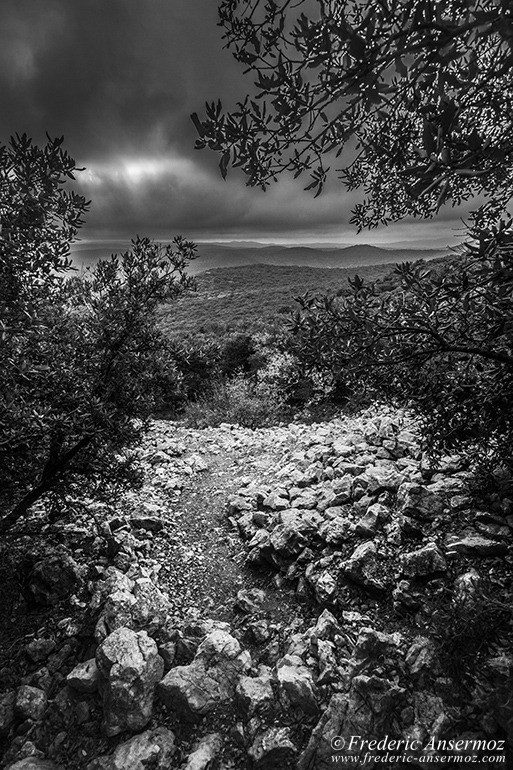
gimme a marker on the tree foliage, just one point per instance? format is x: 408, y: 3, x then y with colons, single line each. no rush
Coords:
x: 81, y: 354
x: 418, y: 93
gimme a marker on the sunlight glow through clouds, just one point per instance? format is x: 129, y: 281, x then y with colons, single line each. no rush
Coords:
x: 132, y: 172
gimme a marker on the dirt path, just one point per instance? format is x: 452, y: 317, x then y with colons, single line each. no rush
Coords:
x: 201, y: 556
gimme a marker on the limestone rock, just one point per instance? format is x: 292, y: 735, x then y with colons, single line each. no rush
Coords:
x: 142, y: 605
x: 371, y: 521
x: 323, y: 583
x: 85, y: 677
x: 378, y: 478
x: 272, y: 749
x: 466, y: 587
x: 296, y: 680
x: 30, y: 702
x: 430, y: 717
x: 477, y: 545
x: 148, y: 523
x: 131, y: 666
x: 113, y: 580
x: 420, y: 502
x: 250, y: 600
x: 421, y: 657
x: 361, y: 566
x: 153, y: 748
x: 194, y: 690
x: 428, y: 560
x: 336, y: 530
x: 204, y: 753
x: 255, y: 693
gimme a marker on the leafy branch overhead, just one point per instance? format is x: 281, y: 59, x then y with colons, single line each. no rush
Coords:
x: 411, y: 100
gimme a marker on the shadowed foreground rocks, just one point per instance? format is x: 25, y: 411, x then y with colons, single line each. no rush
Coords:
x: 375, y: 548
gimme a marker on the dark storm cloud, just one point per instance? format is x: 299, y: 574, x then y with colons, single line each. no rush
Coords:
x: 119, y: 78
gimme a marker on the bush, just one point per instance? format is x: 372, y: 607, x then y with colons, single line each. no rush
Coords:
x: 239, y: 401
x: 441, y: 341
x: 82, y: 356
x: 469, y: 629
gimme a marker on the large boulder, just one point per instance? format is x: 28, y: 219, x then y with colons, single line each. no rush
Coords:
x: 194, y: 690
x: 131, y: 668
x: 367, y: 712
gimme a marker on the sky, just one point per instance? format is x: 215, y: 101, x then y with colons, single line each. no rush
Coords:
x: 119, y: 79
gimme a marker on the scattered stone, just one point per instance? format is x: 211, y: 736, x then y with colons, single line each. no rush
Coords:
x: 466, y: 587
x: 204, y: 753
x: 149, y: 523
x: 259, y: 631
x: 421, y: 657
x: 337, y: 530
x: 323, y: 583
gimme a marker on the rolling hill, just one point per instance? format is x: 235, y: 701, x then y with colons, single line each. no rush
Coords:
x: 244, y: 253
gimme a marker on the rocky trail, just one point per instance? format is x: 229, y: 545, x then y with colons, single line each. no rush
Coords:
x: 267, y: 596
x: 202, y: 565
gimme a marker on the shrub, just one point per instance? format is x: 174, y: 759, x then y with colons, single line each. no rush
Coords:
x: 81, y: 355
x: 239, y: 401
x: 469, y: 629
x: 441, y: 341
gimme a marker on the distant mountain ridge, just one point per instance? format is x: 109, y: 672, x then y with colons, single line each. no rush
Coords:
x: 243, y: 253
